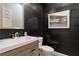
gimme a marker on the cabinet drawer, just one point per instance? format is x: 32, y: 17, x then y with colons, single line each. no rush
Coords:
x: 34, y: 53
x: 23, y: 50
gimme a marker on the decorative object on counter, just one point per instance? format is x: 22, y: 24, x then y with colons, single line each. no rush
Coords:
x: 25, y: 33
x: 59, y: 19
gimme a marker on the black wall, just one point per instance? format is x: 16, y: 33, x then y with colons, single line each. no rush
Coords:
x: 63, y: 40
x: 34, y: 19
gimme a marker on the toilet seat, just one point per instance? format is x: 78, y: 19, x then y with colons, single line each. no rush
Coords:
x: 47, y: 48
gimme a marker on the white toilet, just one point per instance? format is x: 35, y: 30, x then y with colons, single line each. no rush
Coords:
x: 44, y: 49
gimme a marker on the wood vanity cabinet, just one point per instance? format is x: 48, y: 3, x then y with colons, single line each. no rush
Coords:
x: 30, y: 49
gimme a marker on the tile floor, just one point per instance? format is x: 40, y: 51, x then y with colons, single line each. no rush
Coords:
x: 58, y: 54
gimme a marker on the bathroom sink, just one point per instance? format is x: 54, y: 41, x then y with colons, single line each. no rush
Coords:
x: 12, y: 43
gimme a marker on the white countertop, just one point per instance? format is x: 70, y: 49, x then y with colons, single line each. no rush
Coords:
x: 9, y: 44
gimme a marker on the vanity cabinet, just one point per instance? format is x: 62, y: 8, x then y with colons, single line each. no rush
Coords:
x: 30, y: 49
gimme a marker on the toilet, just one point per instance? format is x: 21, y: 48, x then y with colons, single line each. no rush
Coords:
x: 44, y: 49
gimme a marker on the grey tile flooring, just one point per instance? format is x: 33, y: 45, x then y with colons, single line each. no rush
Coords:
x: 55, y: 53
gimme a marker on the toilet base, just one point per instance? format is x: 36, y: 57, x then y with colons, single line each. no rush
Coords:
x: 46, y: 51
x: 43, y: 53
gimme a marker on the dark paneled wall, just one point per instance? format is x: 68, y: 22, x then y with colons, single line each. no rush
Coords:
x: 63, y: 40
x: 34, y: 19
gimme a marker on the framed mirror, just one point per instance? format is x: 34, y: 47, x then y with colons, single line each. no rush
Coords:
x: 12, y: 16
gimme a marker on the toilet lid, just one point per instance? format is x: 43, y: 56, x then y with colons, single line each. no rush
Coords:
x: 47, y: 48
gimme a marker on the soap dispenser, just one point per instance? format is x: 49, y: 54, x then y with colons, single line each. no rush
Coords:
x: 25, y: 34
